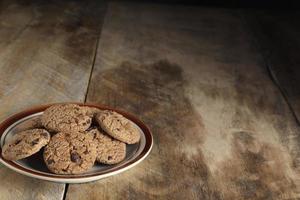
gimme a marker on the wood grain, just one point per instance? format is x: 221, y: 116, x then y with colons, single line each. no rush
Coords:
x: 277, y: 36
x: 221, y: 128
x: 14, y: 19
x: 46, y: 55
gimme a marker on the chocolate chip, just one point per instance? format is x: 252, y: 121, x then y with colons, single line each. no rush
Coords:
x: 109, y: 157
x: 75, y: 157
x: 88, y: 121
x: 76, y: 120
x: 80, y: 116
x: 34, y: 142
x: 44, y: 134
x: 50, y: 161
x: 86, y: 152
x: 17, y: 142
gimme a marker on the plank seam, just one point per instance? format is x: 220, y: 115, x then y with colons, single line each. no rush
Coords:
x: 267, y: 64
x: 89, y: 81
x: 92, y: 69
x: 65, y: 191
x: 95, y: 53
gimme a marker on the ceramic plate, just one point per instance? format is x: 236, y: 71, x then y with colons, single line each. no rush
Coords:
x: 34, y: 165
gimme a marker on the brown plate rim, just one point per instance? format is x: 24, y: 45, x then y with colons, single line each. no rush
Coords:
x: 12, y: 119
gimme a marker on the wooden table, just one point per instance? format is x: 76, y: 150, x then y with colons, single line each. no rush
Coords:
x: 207, y: 81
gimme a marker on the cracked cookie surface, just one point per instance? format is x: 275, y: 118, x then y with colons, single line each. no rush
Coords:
x: 70, y: 153
x: 118, y: 127
x: 109, y: 150
x: 25, y: 143
x: 66, y: 117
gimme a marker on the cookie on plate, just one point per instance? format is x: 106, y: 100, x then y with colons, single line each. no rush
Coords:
x: 25, y: 143
x: 109, y: 150
x: 118, y: 127
x: 66, y: 117
x: 70, y: 153
x: 30, y: 124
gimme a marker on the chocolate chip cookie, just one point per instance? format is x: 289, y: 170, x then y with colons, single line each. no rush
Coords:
x: 25, y: 143
x: 66, y: 117
x: 70, y: 152
x: 30, y: 124
x: 118, y: 126
x: 109, y: 150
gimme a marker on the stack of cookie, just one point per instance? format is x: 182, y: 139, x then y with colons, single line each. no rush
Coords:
x: 74, y: 137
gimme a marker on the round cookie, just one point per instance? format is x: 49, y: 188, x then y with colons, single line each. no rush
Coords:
x: 70, y: 153
x: 25, y: 143
x: 118, y: 126
x: 66, y: 117
x: 30, y: 124
x: 109, y: 150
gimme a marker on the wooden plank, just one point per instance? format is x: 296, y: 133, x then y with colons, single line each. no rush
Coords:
x: 277, y: 34
x: 48, y: 60
x: 14, y: 19
x: 221, y: 128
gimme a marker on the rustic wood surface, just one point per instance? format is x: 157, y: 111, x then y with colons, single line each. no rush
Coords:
x: 222, y: 129
x: 46, y: 55
x: 197, y: 76
x: 277, y: 34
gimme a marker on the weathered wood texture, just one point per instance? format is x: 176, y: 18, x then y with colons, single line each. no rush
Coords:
x: 277, y: 34
x: 46, y: 55
x: 222, y: 129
